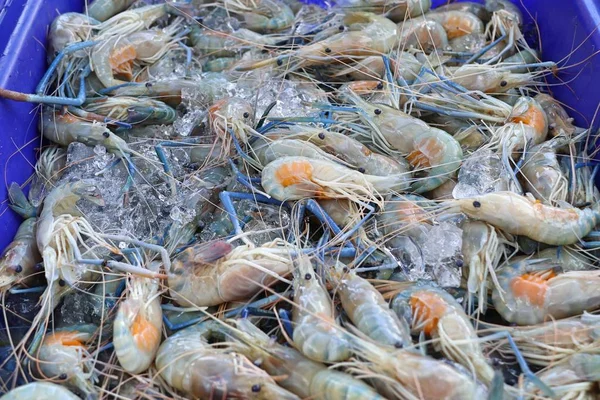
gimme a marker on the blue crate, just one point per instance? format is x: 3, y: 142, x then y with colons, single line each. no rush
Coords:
x: 563, y: 24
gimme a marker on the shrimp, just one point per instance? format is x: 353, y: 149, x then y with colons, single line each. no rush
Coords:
x: 519, y: 215
x: 575, y: 378
x: 404, y: 215
x: 351, y: 151
x: 67, y: 29
x: 66, y: 129
x: 187, y: 362
x: 457, y: 24
x: 298, y: 374
x: 115, y: 57
x: 530, y: 292
x: 559, y: 122
x: 48, y: 170
x: 231, y: 114
x: 552, y: 342
x: 426, y: 148
x: 133, y: 110
x: 477, y: 9
x: 542, y: 172
x: 422, y: 33
x: 316, y: 333
x: 131, y: 21
x: 213, y: 273
x: 219, y: 44
x: 262, y: 16
x: 436, y: 313
x: 396, y: 10
x: 19, y: 259
x: 266, y: 152
x: 403, y: 65
x: 367, y: 34
x: 294, y: 178
x: 527, y: 124
x: 40, y: 391
x: 482, y: 249
x: 101, y: 10
x: 63, y: 355
x: 137, y: 326
x: 367, y: 309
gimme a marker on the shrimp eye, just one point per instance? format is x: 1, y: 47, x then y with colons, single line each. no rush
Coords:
x: 322, y: 136
x: 341, y: 27
x: 327, y: 50
x: 148, y: 84
x: 61, y: 283
x: 106, y: 134
x: 459, y: 263
x: 503, y: 83
x: 246, y: 115
x: 18, y: 269
x: 361, y: 170
x: 476, y: 204
x: 345, y: 269
x: 398, y: 345
x: 377, y: 111
x: 62, y: 377
x: 256, y: 388
x: 280, y: 62
x: 307, y: 277
x: 380, y: 86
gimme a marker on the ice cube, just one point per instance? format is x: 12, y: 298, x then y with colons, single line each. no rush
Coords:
x: 442, y: 252
x: 483, y: 172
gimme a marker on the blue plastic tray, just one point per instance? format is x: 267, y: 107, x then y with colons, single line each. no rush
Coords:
x: 564, y: 25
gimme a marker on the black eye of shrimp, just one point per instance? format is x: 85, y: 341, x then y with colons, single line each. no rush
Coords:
x: 106, y: 134
x: 327, y: 50
x: 307, y: 277
x: 256, y: 388
x: 246, y: 114
x: 476, y: 204
x: 377, y: 111
x: 18, y: 269
x: 503, y: 83
x: 321, y: 136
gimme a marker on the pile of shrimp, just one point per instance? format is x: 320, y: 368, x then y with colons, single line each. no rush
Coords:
x: 297, y: 276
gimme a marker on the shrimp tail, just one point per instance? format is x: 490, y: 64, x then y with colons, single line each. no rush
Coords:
x: 19, y: 202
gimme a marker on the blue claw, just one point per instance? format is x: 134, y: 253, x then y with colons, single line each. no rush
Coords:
x: 42, y: 86
x: 287, y: 322
x: 226, y: 197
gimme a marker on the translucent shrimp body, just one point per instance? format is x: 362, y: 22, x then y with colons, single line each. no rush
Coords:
x: 519, y: 215
x: 396, y: 10
x: 316, y: 333
x: 367, y: 309
x: 102, y: 10
x: 18, y: 260
x: 188, y: 363
x: 263, y: 15
x: 559, y: 122
x: 137, y: 326
x: 429, y: 150
x: 214, y: 273
x: 64, y: 353
x: 299, y: 375
x: 436, y: 313
x: 40, y: 391
x: 67, y: 29
x: 532, y: 292
x: 294, y: 178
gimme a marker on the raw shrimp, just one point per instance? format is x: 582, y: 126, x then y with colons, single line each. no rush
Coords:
x: 67, y: 29
x: 19, y: 259
x: 482, y: 250
x: 187, y: 362
x: 102, y: 10
x: 429, y: 149
x: 575, y: 378
x: 367, y: 34
x: 559, y: 122
x: 316, y: 333
x: 520, y: 215
x: 488, y: 78
x: 477, y: 9
x: 115, y: 57
x: 219, y: 44
x: 350, y: 151
x: 403, y: 65
x: 433, y: 311
x: 457, y: 23
x: 266, y: 152
x: 263, y: 15
x: 553, y: 341
x: 233, y: 115
x: 367, y: 309
x: 404, y: 215
x: 294, y: 178
x: 213, y: 273
x: 48, y: 170
x: 137, y: 326
x: 130, y: 21
x: 423, y: 34
x: 40, y: 391
x: 542, y: 172
x: 63, y: 354
x: 133, y: 110
x: 532, y: 291
x: 396, y: 10
x: 298, y: 374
